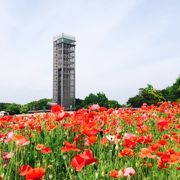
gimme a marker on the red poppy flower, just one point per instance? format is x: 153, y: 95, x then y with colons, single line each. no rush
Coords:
x: 69, y: 147
x: 129, y: 143
x: 78, y: 137
x: 143, y: 129
x: 46, y: 150
x: 114, y: 173
x: 162, y: 142
x: 174, y: 158
x: 24, y: 169
x: 165, y: 157
x: 51, y: 127
x: 166, y: 136
x: 40, y: 146
x: 56, y: 108
x: 161, y: 164
x: 144, y: 139
x: 81, y: 160
x: 35, y: 174
x: 90, y: 140
x: 126, y: 152
x: 78, y: 162
x: 162, y: 125
x: 149, y: 165
x: 145, y: 152
x: 101, y: 109
x: 104, y: 141
x: 88, y: 155
x: 154, y: 147
x: 178, y: 126
x: 89, y: 131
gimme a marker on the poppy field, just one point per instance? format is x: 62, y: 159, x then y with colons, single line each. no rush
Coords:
x: 93, y: 143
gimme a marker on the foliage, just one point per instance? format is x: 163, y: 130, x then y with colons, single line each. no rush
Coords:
x: 172, y: 93
x: 99, y: 98
x: 78, y: 103
x: 147, y: 95
x: 150, y: 95
x: 24, y: 109
x: 113, y: 104
x: 13, y: 108
x: 41, y: 104
x: 2, y: 106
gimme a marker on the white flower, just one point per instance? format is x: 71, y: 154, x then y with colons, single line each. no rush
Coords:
x: 111, y: 138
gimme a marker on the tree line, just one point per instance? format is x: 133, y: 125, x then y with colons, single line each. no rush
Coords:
x: 14, y: 108
x: 44, y: 104
x: 99, y: 98
x: 148, y: 95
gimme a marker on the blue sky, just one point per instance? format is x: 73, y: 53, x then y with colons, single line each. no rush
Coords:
x: 121, y: 46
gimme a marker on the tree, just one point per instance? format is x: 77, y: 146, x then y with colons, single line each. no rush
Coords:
x: 148, y: 95
x: 102, y: 100
x: 172, y: 93
x: 41, y: 104
x: 24, y: 108
x: 113, y: 104
x: 99, y: 98
x: 135, y: 101
x: 90, y: 99
x: 3, y: 106
x: 13, y: 108
x: 78, y: 103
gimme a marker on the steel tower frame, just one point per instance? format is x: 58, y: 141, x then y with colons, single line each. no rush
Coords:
x: 64, y: 70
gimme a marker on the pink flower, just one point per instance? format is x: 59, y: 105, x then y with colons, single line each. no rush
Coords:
x: 9, y: 137
x: 144, y: 117
x: 128, y: 171
x: 129, y: 136
x: 7, y: 155
x: 94, y: 107
x: 21, y: 140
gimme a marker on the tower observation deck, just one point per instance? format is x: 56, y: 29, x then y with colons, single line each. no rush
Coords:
x: 64, y: 70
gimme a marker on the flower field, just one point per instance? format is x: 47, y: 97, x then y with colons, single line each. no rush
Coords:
x: 94, y: 143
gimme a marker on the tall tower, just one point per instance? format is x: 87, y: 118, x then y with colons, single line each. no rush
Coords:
x: 64, y: 71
